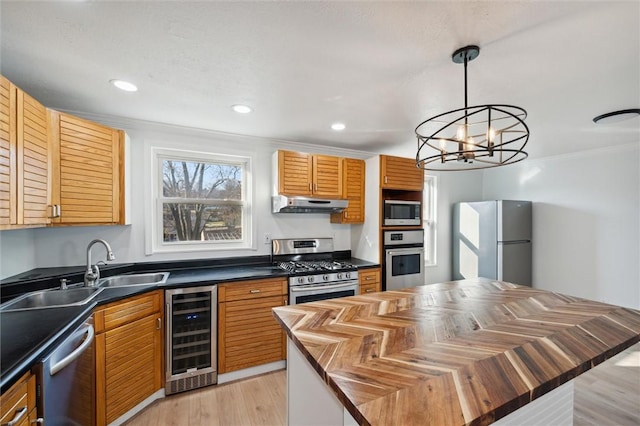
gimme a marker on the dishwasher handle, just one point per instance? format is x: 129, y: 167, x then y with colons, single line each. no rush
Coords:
x: 55, y: 368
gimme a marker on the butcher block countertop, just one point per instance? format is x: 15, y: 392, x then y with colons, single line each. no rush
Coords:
x: 455, y: 353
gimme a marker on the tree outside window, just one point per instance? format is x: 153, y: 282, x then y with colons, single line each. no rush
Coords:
x: 202, y: 201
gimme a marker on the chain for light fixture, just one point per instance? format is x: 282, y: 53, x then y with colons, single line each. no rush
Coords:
x: 473, y: 137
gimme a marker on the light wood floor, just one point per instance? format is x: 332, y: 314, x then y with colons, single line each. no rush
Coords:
x: 604, y: 396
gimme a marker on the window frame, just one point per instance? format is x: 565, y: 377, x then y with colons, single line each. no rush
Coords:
x: 155, y: 241
x: 430, y: 220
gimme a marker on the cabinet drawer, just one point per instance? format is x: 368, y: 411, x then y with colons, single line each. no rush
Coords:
x: 20, y: 398
x: 369, y: 276
x: 369, y: 288
x: 252, y: 289
x: 118, y: 313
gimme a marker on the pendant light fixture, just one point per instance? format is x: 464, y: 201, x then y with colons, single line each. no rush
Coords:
x: 473, y: 137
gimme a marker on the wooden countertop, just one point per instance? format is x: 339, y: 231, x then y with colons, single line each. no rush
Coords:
x: 463, y: 352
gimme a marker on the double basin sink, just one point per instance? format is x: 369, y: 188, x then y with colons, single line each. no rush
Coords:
x: 80, y: 295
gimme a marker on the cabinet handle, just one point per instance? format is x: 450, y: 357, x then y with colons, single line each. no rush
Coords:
x: 55, y: 210
x: 316, y: 185
x: 368, y: 278
x: 346, y: 215
x: 369, y: 290
x: 310, y: 188
x: 17, y: 417
x: 385, y: 180
x: 159, y: 326
x: 285, y: 301
x: 254, y: 291
x: 39, y: 421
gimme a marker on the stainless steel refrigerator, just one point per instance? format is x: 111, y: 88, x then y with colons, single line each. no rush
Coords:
x: 492, y: 239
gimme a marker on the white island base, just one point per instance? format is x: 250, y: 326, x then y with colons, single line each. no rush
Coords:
x: 310, y: 402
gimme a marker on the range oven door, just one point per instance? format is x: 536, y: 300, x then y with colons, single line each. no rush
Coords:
x: 313, y: 293
x: 404, y: 267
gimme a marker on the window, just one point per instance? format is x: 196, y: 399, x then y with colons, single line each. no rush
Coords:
x: 202, y: 201
x: 430, y: 219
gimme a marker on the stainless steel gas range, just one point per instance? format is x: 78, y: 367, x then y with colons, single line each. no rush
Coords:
x: 314, y: 273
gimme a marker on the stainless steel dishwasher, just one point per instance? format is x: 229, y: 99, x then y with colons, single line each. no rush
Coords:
x: 66, y: 380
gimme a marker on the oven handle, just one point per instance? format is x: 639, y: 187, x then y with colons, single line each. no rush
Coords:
x: 404, y: 251
x: 322, y: 287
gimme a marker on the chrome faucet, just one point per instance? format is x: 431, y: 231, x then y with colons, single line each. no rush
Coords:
x: 92, y: 274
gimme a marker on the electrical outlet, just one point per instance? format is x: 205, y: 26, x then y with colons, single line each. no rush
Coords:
x: 267, y: 238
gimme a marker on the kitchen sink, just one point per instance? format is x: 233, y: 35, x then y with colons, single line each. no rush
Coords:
x: 51, y: 299
x: 134, y: 279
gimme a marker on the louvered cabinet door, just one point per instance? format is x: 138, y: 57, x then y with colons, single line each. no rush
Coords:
x: 327, y: 176
x: 87, y: 181
x: 8, y: 197
x: 400, y: 173
x: 353, y: 190
x: 33, y: 161
x: 294, y: 173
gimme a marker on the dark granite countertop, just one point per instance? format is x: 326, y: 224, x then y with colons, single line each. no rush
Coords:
x: 27, y: 336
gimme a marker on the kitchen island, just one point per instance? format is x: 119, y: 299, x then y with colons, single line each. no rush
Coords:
x: 463, y: 352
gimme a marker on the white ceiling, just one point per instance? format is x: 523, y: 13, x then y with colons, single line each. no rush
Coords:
x: 379, y: 67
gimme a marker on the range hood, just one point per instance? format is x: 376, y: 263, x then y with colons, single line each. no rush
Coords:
x: 284, y: 204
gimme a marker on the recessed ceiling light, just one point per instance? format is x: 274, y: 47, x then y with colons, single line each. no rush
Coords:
x: 338, y: 126
x: 124, y: 85
x: 615, y: 116
x: 242, y: 109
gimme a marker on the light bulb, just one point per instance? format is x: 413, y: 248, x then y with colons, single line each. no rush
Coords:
x: 461, y: 133
x: 470, y: 145
x: 491, y: 134
x: 443, y: 145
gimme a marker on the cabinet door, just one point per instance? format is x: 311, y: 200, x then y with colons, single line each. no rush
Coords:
x: 33, y: 160
x: 327, y: 176
x: 8, y: 197
x: 88, y: 174
x: 400, y: 173
x: 294, y: 173
x: 353, y: 190
x: 249, y: 335
x: 132, y: 369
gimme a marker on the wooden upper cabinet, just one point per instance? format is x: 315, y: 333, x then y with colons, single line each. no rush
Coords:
x: 301, y: 174
x: 400, y: 173
x: 8, y: 141
x: 353, y: 180
x: 327, y: 176
x: 25, y: 159
x: 295, y: 173
x: 88, y: 178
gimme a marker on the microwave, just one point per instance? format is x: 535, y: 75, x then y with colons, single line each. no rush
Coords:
x: 400, y: 212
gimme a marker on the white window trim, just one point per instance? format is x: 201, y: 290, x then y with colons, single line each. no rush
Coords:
x: 153, y: 230
x: 430, y: 220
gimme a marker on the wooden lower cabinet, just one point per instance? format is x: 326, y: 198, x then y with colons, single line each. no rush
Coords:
x: 369, y: 280
x: 248, y: 334
x: 18, y: 404
x: 129, y: 358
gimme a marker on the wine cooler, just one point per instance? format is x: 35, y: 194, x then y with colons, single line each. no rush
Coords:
x: 191, y: 338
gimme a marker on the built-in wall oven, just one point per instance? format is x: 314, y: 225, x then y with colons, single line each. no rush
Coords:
x: 315, y: 274
x: 191, y: 357
x: 404, y: 258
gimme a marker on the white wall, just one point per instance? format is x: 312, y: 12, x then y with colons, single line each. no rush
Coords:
x: 17, y: 251
x: 586, y: 220
x: 65, y: 246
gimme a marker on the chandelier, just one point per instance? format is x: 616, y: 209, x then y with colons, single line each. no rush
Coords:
x: 473, y: 137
